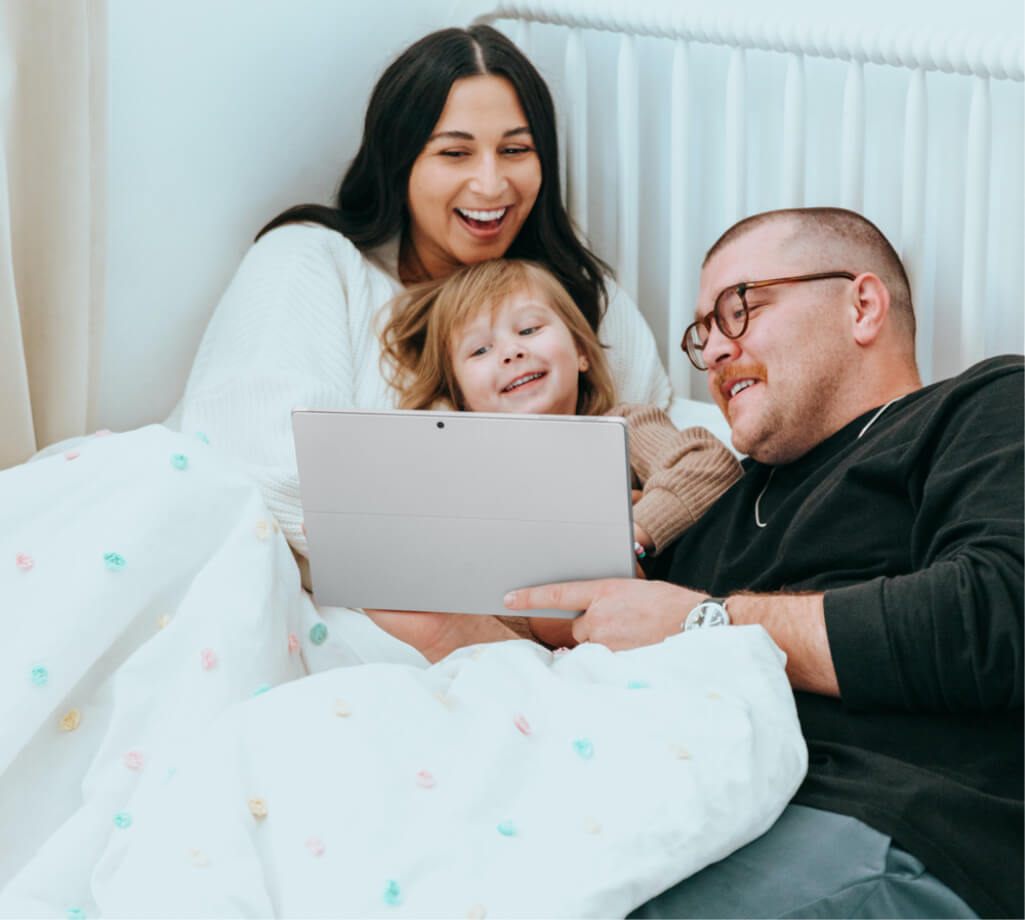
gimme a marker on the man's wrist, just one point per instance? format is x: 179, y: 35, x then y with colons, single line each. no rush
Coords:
x: 796, y: 623
x: 706, y: 613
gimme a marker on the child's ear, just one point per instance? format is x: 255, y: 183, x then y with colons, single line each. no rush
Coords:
x: 455, y: 394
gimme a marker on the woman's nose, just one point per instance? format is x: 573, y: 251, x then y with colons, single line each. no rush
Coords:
x: 488, y: 180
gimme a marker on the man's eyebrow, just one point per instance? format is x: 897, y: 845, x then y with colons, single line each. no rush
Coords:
x: 698, y: 315
x: 729, y: 287
x: 467, y: 136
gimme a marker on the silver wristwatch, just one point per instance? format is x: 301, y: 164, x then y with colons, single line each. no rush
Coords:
x: 710, y: 612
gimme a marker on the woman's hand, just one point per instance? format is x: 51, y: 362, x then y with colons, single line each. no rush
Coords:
x: 434, y: 635
x: 552, y: 632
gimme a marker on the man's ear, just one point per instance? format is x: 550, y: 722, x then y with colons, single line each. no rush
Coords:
x: 871, y: 304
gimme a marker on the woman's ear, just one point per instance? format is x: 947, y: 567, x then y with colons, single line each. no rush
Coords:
x: 582, y: 363
x: 871, y: 304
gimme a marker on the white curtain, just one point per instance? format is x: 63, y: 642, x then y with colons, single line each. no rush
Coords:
x: 53, y: 126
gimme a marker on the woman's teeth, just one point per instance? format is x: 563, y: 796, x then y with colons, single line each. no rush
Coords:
x: 482, y: 217
x: 519, y: 381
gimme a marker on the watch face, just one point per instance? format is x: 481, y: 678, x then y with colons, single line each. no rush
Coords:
x: 707, y: 614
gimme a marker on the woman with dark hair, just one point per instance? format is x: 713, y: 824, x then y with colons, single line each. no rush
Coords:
x: 406, y: 104
x: 458, y: 163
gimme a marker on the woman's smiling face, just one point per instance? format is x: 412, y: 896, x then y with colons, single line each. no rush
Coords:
x: 476, y: 180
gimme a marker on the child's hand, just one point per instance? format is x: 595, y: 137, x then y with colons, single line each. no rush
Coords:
x: 641, y: 536
x: 646, y: 544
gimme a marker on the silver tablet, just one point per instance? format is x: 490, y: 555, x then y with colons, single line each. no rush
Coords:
x: 450, y: 510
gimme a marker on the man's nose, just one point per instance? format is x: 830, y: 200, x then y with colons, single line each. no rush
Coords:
x: 489, y: 179
x: 719, y: 349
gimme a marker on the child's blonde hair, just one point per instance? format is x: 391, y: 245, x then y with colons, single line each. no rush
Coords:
x: 416, y: 339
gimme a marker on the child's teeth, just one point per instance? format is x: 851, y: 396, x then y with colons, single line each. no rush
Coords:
x: 520, y: 380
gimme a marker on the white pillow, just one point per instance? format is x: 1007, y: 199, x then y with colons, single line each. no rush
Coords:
x: 685, y: 413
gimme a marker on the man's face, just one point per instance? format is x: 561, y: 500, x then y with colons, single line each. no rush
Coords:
x: 781, y: 384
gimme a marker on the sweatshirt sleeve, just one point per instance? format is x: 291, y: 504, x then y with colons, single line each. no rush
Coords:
x: 949, y: 635
x: 681, y: 472
x: 637, y: 370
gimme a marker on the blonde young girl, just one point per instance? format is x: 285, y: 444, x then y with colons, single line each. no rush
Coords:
x: 505, y: 336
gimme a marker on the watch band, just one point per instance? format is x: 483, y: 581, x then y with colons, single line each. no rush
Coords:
x: 708, y: 613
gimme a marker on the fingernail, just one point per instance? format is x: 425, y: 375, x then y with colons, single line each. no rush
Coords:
x: 509, y: 599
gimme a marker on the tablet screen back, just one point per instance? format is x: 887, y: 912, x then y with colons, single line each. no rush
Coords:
x: 448, y: 511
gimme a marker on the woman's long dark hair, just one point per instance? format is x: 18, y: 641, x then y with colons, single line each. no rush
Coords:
x: 404, y: 107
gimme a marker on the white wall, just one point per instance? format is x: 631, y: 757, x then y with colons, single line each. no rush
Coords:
x: 224, y: 112
x: 221, y: 115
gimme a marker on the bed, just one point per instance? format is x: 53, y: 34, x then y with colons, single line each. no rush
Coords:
x: 185, y: 734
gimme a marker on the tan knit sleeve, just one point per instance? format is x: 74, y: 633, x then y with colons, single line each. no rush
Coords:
x: 681, y: 472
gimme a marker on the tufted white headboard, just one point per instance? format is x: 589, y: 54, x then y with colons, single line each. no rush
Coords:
x: 680, y: 118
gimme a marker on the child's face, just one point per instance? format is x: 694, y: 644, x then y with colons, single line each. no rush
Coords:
x: 519, y: 358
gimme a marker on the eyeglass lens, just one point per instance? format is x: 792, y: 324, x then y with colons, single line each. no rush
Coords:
x: 730, y: 315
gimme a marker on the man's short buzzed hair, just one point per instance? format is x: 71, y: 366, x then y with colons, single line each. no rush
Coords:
x: 857, y: 239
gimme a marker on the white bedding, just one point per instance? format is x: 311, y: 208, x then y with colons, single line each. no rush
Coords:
x: 572, y: 785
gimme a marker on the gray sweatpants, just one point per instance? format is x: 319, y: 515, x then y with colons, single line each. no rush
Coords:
x: 812, y: 863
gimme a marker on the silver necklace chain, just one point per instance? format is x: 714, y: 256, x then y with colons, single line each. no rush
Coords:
x: 758, y: 501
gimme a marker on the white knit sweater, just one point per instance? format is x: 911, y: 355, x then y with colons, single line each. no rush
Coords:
x: 297, y: 328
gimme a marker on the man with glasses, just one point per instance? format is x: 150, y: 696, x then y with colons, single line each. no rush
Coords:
x: 877, y: 536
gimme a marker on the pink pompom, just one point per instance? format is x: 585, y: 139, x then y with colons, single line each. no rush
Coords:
x: 208, y: 659
x: 425, y: 779
x: 24, y: 561
x: 133, y: 760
